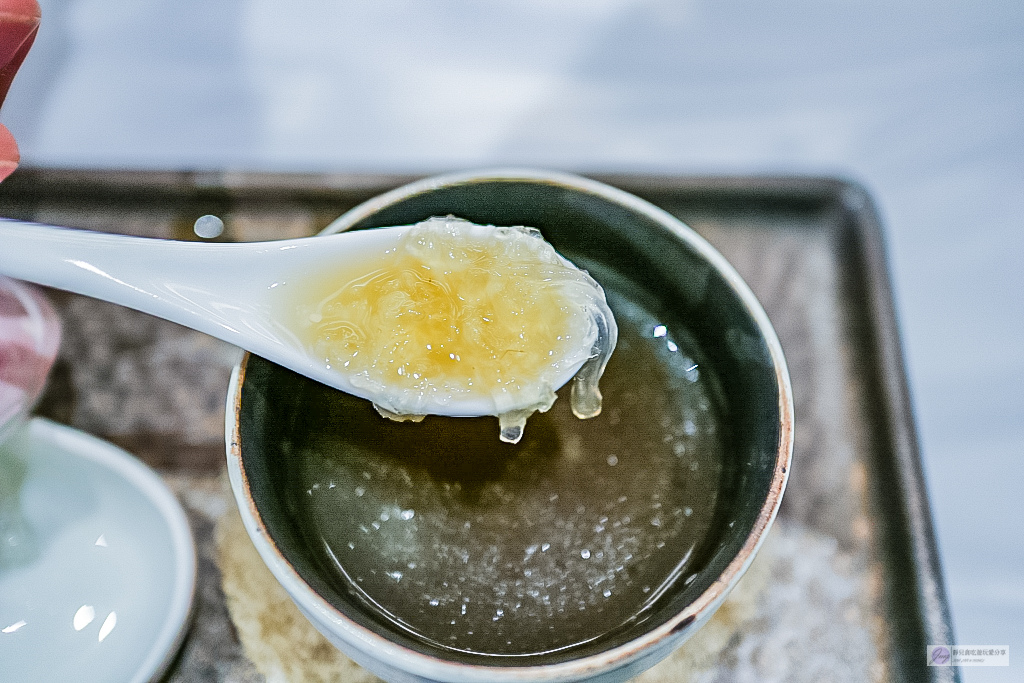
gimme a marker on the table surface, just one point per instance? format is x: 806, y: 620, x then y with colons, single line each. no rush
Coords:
x: 921, y: 102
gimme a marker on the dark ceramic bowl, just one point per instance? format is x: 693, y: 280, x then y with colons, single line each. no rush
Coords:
x: 432, y: 552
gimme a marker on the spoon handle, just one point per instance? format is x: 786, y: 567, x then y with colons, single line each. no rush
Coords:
x: 233, y: 292
x: 195, y: 284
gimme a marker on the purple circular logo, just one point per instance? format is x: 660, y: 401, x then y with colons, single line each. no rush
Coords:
x: 940, y: 655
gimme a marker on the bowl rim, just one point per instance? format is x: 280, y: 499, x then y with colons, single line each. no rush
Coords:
x: 375, y: 647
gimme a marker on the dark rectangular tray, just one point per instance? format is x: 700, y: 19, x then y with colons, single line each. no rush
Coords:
x: 811, y: 249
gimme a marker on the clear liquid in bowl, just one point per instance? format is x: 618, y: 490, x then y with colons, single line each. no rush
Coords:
x: 479, y: 546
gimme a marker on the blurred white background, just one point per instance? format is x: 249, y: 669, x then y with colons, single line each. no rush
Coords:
x: 923, y: 101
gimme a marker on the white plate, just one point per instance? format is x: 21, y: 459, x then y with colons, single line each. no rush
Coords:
x: 105, y: 590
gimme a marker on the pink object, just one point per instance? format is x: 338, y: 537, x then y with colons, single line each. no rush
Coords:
x: 29, y: 338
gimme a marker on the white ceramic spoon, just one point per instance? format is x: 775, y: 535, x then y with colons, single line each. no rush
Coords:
x: 224, y: 290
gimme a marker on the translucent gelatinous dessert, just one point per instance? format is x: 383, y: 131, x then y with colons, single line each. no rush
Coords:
x: 461, y: 310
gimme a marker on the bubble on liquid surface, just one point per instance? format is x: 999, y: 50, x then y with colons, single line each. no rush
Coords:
x: 208, y: 226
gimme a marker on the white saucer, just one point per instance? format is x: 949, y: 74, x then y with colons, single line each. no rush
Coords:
x: 105, y: 590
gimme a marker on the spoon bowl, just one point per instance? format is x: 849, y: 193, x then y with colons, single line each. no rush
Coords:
x: 230, y: 291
